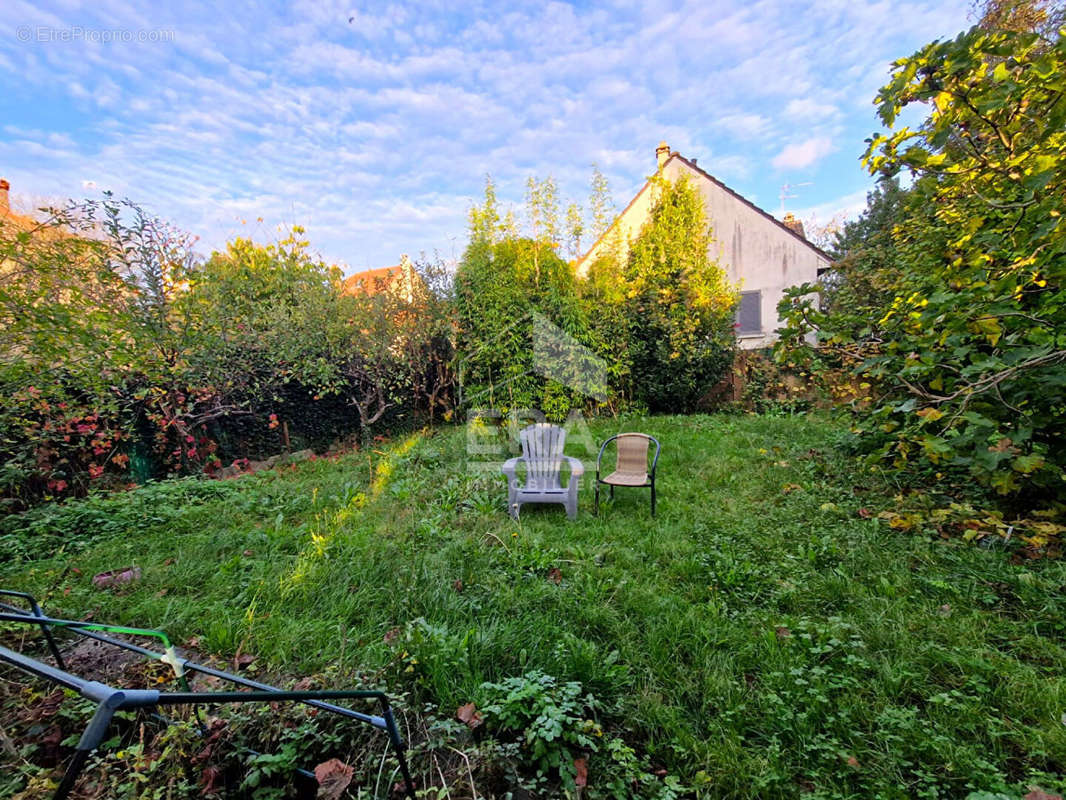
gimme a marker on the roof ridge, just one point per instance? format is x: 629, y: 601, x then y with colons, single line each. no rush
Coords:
x: 692, y: 165
x: 750, y: 204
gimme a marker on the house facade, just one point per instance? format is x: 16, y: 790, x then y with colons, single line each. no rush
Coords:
x: 762, y: 254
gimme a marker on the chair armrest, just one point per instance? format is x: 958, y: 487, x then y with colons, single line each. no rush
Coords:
x: 577, y: 469
x: 510, y: 466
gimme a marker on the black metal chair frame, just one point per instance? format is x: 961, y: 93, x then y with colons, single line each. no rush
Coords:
x: 651, y: 475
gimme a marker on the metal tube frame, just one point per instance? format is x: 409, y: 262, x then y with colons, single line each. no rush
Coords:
x: 110, y: 699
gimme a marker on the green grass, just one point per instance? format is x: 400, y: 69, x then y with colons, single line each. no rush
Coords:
x: 754, y: 641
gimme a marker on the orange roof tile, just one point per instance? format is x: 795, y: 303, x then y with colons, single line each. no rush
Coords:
x: 370, y: 281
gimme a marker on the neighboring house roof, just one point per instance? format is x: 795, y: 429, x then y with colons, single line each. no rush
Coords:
x: 371, y: 281
x: 703, y: 174
x: 745, y: 201
x: 401, y: 280
x: 9, y: 217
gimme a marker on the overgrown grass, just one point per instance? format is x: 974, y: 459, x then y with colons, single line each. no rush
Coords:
x: 759, y: 638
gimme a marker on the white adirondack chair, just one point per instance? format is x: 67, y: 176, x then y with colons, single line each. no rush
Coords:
x: 542, y: 455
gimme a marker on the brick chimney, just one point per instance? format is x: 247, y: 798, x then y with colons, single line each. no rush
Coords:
x: 794, y: 225
x: 5, y: 203
x: 662, y: 154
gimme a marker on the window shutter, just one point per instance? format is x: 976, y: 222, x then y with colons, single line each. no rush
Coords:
x: 749, y: 313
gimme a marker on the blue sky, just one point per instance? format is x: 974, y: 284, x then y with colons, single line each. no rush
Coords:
x: 374, y: 125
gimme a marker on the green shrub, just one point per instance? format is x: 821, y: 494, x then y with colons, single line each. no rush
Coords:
x: 960, y: 310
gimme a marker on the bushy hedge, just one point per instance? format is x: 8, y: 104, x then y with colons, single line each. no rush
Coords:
x: 655, y: 314
x: 125, y: 357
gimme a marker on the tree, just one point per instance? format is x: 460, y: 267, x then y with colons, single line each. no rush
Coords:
x: 969, y: 354
x: 426, y: 336
x: 500, y: 292
x: 600, y: 203
x: 679, y: 303
x: 575, y: 228
x: 1044, y: 17
x: 862, y: 278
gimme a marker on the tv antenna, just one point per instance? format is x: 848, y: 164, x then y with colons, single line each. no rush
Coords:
x: 785, y: 193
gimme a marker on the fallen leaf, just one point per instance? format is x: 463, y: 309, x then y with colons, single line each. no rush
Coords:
x: 853, y: 762
x: 116, y: 577
x: 333, y: 777
x: 249, y: 552
x: 555, y: 575
x: 581, y: 778
x: 782, y: 632
x: 944, y: 610
x: 469, y: 715
x: 391, y: 634
x: 865, y: 513
x: 1039, y: 794
x: 458, y: 585
x: 208, y: 778
x: 243, y: 660
x: 50, y: 744
x: 789, y: 488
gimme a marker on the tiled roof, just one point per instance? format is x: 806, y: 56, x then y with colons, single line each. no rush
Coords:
x: 371, y: 281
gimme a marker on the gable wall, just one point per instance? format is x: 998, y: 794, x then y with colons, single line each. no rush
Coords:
x: 754, y: 251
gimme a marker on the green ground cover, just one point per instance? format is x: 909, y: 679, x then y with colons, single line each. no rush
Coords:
x: 765, y: 636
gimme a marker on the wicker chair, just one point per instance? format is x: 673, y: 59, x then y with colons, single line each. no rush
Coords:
x: 631, y: 465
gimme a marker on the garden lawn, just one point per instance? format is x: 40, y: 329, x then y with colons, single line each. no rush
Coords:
x: 760, y: 638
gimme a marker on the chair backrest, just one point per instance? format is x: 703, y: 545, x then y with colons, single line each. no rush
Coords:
x: 542, y: 449
x: 631, y: 453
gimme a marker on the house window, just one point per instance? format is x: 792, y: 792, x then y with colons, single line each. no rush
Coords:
x: 749, y: 314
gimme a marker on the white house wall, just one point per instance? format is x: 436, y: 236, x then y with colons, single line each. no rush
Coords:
x: 755, y: 251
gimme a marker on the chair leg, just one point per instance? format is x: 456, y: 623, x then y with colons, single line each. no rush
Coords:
x: 653, y: 498
x: 596, y: 500
x: 612, y: 491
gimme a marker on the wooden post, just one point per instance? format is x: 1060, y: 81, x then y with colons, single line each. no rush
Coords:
x: 285, y: 435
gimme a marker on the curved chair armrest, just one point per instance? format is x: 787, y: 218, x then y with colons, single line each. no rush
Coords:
x: 510, y: 466
x: 577, y: 469
x: 599, y: 457
x: 654, y: 461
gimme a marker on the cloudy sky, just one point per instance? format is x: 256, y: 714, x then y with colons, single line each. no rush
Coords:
x: 374, y: 125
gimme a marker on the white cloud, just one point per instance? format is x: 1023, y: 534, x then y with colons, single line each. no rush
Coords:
x: 744, y: 125
x: 805, y: 108
x: 377, y: 134
x: 803, y: 154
